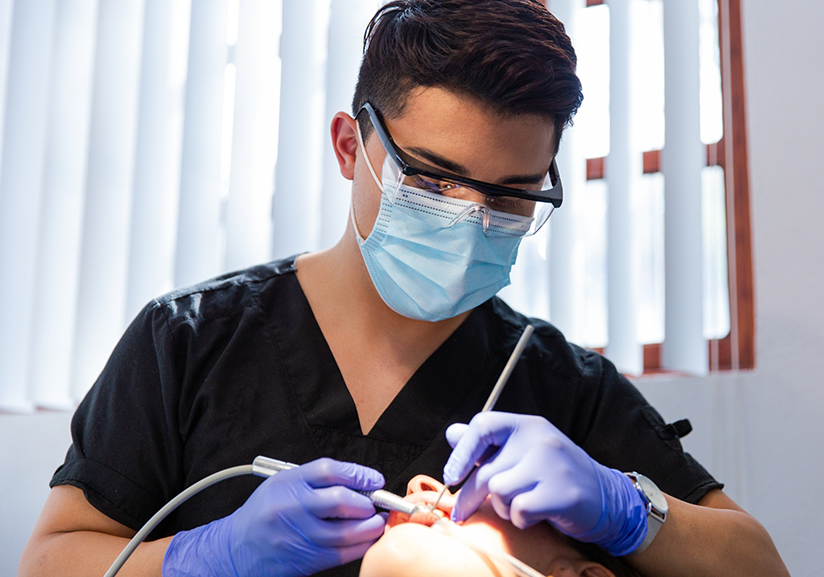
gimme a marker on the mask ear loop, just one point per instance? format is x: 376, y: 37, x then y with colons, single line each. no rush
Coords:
x: 366, y: 156
x: 371, y: 171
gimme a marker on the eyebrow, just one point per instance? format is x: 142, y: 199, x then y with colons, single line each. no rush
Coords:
x: 460, y: 170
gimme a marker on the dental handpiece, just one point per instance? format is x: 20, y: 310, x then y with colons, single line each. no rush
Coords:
x: 266, y: 467
x: 262, y: 467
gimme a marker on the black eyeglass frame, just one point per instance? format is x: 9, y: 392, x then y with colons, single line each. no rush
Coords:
x: 555, y: 195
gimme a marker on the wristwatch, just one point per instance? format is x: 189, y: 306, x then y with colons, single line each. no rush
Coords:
x: 656, y: 507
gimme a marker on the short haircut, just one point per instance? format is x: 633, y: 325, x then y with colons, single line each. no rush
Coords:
x: 511, y: 55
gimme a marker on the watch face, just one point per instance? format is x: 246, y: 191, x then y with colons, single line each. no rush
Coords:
x: 653, y: 493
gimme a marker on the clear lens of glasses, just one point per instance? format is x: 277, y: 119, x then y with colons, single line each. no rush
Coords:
x: 454, y: 203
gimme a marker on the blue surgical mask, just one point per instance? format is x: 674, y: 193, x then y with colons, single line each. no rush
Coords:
x: 429, y: 255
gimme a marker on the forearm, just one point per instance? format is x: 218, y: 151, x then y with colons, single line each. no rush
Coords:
x: 710, y: 540
x: 87, y: 553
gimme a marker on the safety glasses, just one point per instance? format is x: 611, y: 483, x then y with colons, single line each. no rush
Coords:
x: 501, y: 209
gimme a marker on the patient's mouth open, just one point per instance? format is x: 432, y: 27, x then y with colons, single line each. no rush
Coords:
x: 423, y: 514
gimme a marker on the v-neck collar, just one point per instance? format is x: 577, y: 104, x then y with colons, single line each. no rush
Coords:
x: 420, y: 410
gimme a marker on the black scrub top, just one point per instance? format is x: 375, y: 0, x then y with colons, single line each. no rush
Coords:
x: 209, y: 377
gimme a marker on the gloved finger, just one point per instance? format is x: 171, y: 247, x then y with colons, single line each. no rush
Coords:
x: 529, y: 508
x: 506, y: 475
x: 339, y: 533
x: 510, y: 481
x: 454, y: 433
x: 337, y: 503
x: 326, y: 472
x: 470, y: 497
x: 484, y: 431
x: 479, y: 483
x: 500, y: 506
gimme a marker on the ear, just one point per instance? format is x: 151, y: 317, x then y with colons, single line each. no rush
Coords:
x: 592, y: 569
x: 345, y: 143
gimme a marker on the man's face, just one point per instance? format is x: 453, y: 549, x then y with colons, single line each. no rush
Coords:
x: 458, y: 135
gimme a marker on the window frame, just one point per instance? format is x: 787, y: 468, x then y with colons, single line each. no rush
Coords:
x: 736, y: 351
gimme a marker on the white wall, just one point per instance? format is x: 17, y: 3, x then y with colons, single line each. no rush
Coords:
x: 760, y: 432
x: 31, y: 448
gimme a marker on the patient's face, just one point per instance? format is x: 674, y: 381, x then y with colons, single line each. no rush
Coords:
x: 412, y: 547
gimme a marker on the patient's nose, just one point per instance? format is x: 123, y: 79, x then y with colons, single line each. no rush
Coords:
x: 421, y: 483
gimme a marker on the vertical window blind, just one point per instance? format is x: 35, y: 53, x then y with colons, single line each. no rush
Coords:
x: 151, y: 144
x: 639, y: 259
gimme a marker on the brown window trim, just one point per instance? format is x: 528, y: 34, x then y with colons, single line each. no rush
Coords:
x: 736, y: 350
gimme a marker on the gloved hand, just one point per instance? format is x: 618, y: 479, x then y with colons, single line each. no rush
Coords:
x: 538, y: 474
x: 299, y: 521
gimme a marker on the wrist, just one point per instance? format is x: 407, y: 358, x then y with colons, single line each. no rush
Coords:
x: 622, y: 526
x: 200, y: 552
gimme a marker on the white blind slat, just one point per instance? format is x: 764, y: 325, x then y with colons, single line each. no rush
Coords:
x: 346, y: 25
x: 5, y: 46
x: 684, y: 347
x: 254, y: 143
x: 565, y: 254
x: 198, y: 232
x: 101, y: 308
x: 302, y: 130
x: 21, y: 178
x: 64, y: 176
x: 157, y: 150
x: 623, y: 169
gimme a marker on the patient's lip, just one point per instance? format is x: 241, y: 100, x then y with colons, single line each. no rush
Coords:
x: 423, y: 517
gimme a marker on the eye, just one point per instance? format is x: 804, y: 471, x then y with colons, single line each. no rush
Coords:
x: 510, y: 205
x: 431, y: 184
x: 500, y: 202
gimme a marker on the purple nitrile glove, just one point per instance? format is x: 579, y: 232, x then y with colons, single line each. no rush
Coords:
x: 538, y: 474
x: 298, y: 522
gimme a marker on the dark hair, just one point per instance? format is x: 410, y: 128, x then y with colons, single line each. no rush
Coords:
x: 511, y: 55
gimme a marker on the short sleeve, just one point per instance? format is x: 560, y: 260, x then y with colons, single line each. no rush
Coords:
x: 625, y: 432
x: 126, y: 446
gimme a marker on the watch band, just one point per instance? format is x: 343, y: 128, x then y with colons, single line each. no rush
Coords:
x: 656, y: 504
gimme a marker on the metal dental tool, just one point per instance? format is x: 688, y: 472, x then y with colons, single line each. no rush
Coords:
x: 499, y: 387
x: 510, y: 366
x: 434, y: 506
x: 266, y: 467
